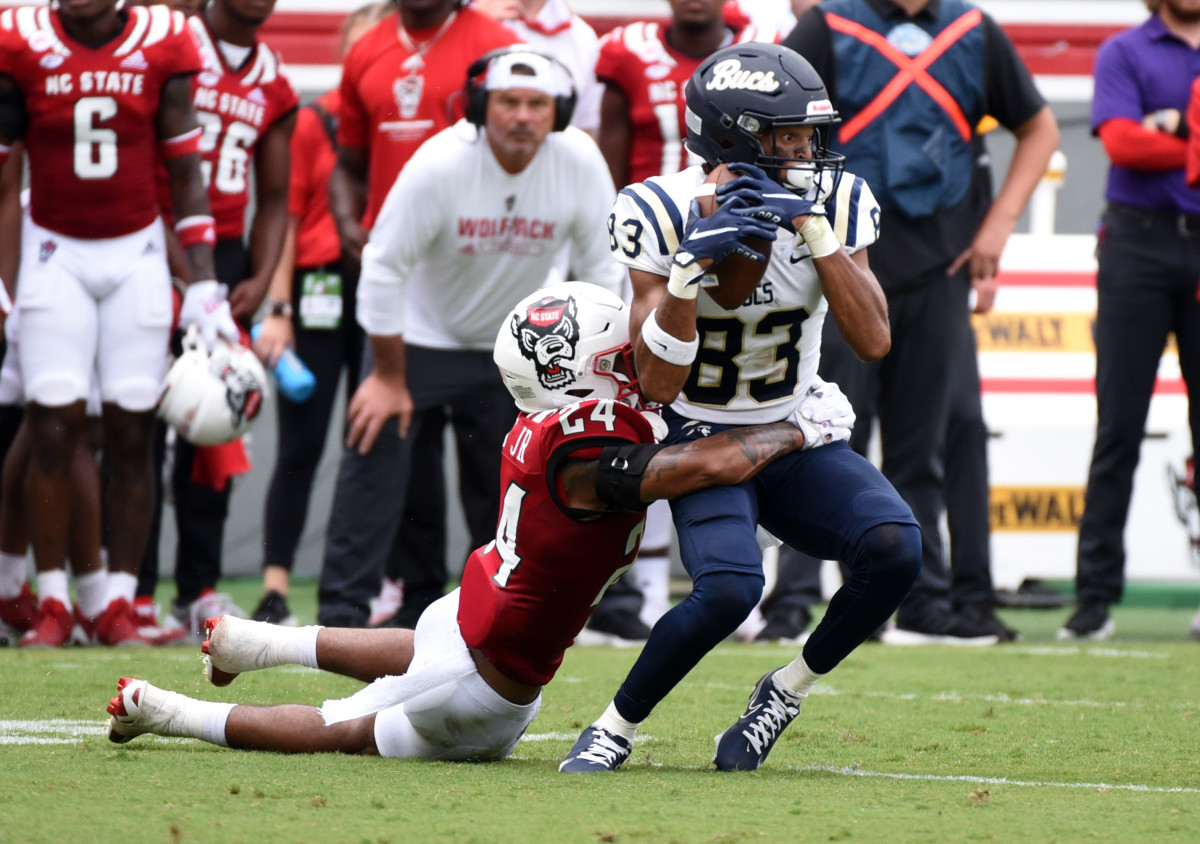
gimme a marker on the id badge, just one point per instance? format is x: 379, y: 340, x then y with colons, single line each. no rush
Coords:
x: 321, y: 300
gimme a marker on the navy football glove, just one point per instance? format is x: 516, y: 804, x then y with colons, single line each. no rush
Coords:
x: 753, y: 187
x: 710, y: 240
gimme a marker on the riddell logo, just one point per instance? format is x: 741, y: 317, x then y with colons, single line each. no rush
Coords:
x: 820, y: 107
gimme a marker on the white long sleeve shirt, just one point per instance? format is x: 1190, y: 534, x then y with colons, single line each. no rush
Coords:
x: 459, y: 241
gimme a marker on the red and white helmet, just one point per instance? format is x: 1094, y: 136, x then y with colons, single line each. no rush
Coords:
x: 212, y: 397
x: 567, y: 343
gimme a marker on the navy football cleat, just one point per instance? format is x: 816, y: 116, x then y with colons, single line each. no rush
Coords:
x: 745, y: 745
x: 596, y: 750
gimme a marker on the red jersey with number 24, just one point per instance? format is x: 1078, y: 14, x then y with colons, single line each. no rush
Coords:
x: 91, y: 136
x: 528, y: 593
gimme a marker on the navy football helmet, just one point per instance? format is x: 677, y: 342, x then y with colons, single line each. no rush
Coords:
x: 746, y: 90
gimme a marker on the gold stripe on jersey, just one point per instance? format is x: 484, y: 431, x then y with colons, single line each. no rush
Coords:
x: 841, y: 220
x: 662, y: 217
x: 141, y: 22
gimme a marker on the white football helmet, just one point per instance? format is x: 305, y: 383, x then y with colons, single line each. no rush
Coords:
x: 211, y: 398
x: 566, y: 343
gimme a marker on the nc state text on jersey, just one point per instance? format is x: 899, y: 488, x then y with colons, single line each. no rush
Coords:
x: 96, y: 82
x: 214, y: 101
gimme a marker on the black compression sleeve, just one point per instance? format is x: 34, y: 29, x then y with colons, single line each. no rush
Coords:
x: 619, y: 476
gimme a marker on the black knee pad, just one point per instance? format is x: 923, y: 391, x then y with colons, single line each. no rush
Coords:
x: 890, y: 555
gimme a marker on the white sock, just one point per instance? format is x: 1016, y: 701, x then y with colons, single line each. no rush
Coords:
x: 187, y: 717
x: 612, y: 721
x: 121, y: 585
x: 216, y: 716
x: 652, y: 574
x: 12, y: 574
x: 53, y: 584
x: 797, y: 677
x: 304, y: 644
x: 92, y: 591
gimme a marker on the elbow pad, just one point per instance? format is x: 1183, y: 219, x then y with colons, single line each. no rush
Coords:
x: 619, y: 476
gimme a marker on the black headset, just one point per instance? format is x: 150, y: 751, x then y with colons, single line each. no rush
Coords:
x: 476, y: 90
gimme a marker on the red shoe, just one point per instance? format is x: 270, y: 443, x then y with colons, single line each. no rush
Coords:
x: 117, y: 626
x: 84, y: 631
x: 19, y: 613
x: 52, y: 628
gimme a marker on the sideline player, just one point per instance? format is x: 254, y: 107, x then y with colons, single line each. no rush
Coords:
x: 579, y: 467
x: 98, y: 92
x: 247, y: 109
x: 763, y: 105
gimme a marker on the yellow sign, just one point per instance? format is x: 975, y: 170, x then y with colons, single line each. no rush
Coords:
x: 1001, y: 331
x: 1040, y: 508
x: 1023, y: 332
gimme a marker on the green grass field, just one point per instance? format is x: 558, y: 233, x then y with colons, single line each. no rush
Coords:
x: 1033, y: 742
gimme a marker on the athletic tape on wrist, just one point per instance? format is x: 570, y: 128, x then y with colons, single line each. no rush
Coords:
x: 196, y: 230
x: 819, y: 236
x: 6, y: 303
x: 681, y: 284
x: 666, y: 346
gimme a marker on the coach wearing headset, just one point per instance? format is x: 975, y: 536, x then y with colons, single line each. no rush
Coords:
x: 472, y: 224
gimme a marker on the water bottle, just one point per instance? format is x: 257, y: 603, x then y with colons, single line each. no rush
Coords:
x: 296, y: 381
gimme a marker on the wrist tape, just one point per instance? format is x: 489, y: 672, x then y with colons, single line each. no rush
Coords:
x: 819, y: 236
x: 680, y: 284
x: 666, y: 346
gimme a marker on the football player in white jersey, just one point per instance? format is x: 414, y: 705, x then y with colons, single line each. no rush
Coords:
x: 762, y: 109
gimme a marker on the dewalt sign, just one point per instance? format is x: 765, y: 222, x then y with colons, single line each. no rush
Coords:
x: 1029, y: 332
x: 1042, y: 508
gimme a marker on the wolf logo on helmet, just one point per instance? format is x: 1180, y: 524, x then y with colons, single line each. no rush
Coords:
x: 566, y: 343
x: 547, y: 336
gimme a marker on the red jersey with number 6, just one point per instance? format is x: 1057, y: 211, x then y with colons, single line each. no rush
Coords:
x: 528, y: 593
x: 91, y: 136
x: 235, y: 107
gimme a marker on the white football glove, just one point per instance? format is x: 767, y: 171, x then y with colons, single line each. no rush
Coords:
x: 205, y: 305
x: 824, y: 415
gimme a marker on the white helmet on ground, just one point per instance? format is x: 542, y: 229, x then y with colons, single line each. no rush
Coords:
x: 211, y: 398
x: 566, y: 343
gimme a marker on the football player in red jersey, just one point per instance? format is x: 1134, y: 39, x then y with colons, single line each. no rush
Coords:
x: 644, y: 66
x: 247, y: 109
x: 579, y: 467
x: 99, y: 92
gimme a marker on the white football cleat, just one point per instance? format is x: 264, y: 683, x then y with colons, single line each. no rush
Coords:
x: 139, y: 708
x: 233, y: 646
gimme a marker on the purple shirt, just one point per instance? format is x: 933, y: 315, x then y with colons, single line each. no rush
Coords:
x: 1139, y: 71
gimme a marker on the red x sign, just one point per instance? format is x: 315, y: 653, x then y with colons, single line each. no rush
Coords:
x: 909, y: 70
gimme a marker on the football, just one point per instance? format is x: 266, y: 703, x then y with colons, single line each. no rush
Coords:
x: 737, y: 276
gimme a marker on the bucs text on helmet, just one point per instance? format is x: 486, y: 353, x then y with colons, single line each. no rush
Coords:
x: 747, y: 90
x: 566, y: 343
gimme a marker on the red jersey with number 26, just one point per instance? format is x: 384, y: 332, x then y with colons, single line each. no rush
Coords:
x: 235, y: 106
x: 527, y: 594
x: 91, y: 138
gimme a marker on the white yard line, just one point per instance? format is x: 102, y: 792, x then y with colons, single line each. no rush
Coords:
x: 1098, y: 786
